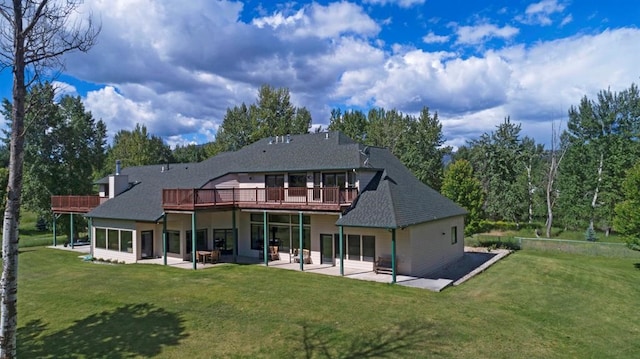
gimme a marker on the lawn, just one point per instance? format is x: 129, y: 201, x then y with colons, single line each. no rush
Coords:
x: 531, y: 304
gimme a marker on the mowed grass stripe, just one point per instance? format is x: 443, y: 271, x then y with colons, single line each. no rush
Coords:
x: 531, y: 304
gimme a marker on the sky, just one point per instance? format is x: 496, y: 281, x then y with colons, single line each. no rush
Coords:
x: 177, y: 66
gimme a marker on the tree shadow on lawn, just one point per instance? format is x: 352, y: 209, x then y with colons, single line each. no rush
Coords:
x: 394, y: 341
x: 637, y: 265
x: 132, y: 330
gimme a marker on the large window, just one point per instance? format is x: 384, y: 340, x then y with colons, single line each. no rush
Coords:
x: 297, y: 180
x: 114, y: 239
x: 356, y: 247
x: 353, y: 247
x: 173, y: 242
x: 101, y: 238
x: 201, y: 241
x: 368, y: 248
x: 223, y: 240
x: 283, y: 231
x: 126, y: 241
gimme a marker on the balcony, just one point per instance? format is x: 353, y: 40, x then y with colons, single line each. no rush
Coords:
x: 319, y: 198
x: 75, y: 204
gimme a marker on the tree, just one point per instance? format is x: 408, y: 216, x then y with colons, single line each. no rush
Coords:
x: 423, y: 151
x: 497, y: 159
x: 461, y: 186
x: 33, y: 36
x: 64, y: 148
x: 627, y: 212
x: 238, y: 129
x: 555, y: 156
x: 272, y: 115
x: 352, y: 123
x: 602, y: 138
x: 276, y: 116
x: 188, y: 153
x: 136, y: 148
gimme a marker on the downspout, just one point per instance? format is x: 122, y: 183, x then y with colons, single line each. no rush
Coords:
x: 72, y: 234
x: 164, y: 237
x: 193, y: 239
x: 265, y: 245
x: 341, y: 243
x: 55, y: 235
x: 90, y: 235
x: 235, y: 236
x: 393, y: 255
x: 300, y: 233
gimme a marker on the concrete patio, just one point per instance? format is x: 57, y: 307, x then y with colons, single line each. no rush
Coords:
x: 474, y: 261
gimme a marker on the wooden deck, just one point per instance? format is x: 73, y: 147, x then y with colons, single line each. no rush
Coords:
x: 327, y: 198
x: 75, y: 204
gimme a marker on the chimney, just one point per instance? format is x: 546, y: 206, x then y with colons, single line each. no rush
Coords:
x: 118, y: 183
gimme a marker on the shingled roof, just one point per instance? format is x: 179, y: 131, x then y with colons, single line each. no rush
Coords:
x: 394, y: 199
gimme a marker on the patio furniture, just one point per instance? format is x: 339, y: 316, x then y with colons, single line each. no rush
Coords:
x: 306, y: 256
x: 215, y: 256
x: 273, y: 253
x: 201, y: 256
x: 383, y: 265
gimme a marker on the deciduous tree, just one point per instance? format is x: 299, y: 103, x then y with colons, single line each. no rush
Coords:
x: 461, y: 186
x: 136, y: 148
x: 627, y: 212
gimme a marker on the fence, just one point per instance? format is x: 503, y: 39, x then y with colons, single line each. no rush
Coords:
x: 600, y: 249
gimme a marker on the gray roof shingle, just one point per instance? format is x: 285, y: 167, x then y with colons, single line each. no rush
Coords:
x: 394, y: 199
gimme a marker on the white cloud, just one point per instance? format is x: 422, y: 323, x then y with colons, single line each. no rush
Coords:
x: 432, y: 38
x: 540, y: 13
x: 478, y: 34
x: 179, y: 70
x: 401, y: 3
x: 328, y: 21
x: 63, y: 88
x: 567, y: 19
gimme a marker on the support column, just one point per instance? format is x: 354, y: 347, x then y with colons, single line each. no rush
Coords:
x: 300, y: 234
x: 72, y: 234
x: 164, y: 237
x: 393, y: 255
x: 193, y: 239
x: 55, y: 234
x: 90, y: 235
x: 235, y: 236
x: 265, y: 245
x: 341, y: 243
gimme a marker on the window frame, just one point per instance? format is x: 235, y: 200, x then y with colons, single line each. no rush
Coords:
x: 454, y: 235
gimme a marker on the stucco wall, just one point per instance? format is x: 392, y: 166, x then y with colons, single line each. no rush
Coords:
x: 431, y: 246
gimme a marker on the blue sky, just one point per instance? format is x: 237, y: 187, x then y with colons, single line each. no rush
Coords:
x: 176, y: 66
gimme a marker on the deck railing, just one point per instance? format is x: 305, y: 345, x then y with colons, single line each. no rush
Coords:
x: 190, y: 199
x: 80, y: 204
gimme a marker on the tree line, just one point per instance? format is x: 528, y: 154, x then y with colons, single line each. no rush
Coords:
x: 577, y: 182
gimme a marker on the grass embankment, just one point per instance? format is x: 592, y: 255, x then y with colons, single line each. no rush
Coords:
x: 529, y: 305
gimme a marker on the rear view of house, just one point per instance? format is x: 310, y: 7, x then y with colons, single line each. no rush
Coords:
x: 321, y: 198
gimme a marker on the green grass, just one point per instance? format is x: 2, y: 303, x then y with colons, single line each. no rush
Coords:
x: 530, y: 305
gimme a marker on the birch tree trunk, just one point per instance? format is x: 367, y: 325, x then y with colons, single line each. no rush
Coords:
x: 33, y: 35
x: 9, y: 281
x: 594, y: 201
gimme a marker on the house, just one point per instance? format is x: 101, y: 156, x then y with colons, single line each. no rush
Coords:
x: 345, y: 203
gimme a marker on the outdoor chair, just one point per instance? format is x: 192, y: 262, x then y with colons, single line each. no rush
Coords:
x: 306, y: 256
x: 215, y: 256
x: 273, y: 253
